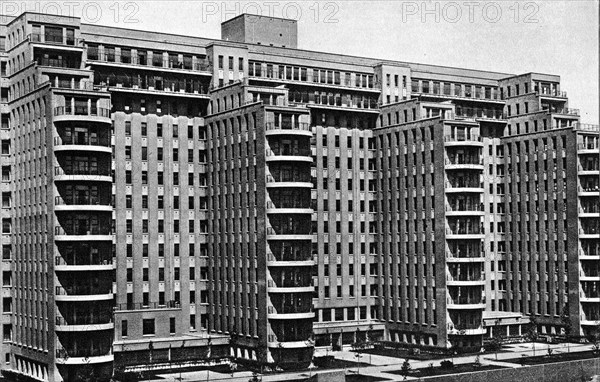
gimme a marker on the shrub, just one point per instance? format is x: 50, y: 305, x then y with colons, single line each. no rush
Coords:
x: 446, y: 364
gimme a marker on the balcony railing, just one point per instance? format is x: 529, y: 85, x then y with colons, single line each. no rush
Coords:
x: 465, y: 208
x: 62, y: 262
x: 474, y: 113
x: 289, y: 257
x: 552, y: 93
x: 465, y: 300
x: 288, y: 178
x: 82, y: 110
x: 588, y: 146
x: 90, y: 319
x: 286, y: 231
x: 473, y: 161
x: 289, y: 152
x: 589, y: 167
x: 290, y: 283
x: 465, y: 231
x: 465, y: 255
x: 82, y: 290
x: 200, y: 65
x: 80, y: 201
x: 589, y: 188
x: 54, y: 39
x: 82, y: 230
x: 465, y: 277
x: 587, y: 127
x: 81, y: 171
x: 297, y: 126
x: 87, y: 141
x: 151, y: 305
x: 464, y: 185
x: 290, y: 309
x: 82, y: 353
x: 472, y: 138
x: 289, y: 203
x: 564, y: 110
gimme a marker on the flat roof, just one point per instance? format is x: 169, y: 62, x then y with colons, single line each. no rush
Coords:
x: 202, y: 42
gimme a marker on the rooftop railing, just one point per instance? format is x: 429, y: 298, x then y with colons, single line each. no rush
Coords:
x: 587, y: 127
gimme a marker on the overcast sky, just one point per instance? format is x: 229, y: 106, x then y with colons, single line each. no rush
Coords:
x: 556, y: 37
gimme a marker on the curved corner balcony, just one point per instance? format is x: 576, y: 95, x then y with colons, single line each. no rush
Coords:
x: 88, y: 325
x: 271, y: 262
x: 291, y: 156
x: 465, y: 304
x: 80, y: 204
x: 82, y: 114
x: 590, y: 321
x: 290, y: 316
x: 464, y: 188
x: 291, y: 344
x: 589, y: 299
x: 589, y: 234
x: 82, y: 234
x: 273, y: 234
x: 290, y: 289
x: 81, y: 175
x: 588, y: 170
x: 82, y: 293
x: 86, y: 145
x: 62, y: 266
x: 463, y: 212
x: 464, y: 165
x: 589, y: 192
x: 299, y: 128
x: 288, y: 181
x: 589, y: 148
x: 467, y: 332
x: 464, y: 234
x: 473, y: 140
x: 273, y: 209
x: 62, y: 358
x: 451, y: 258
x: 464, y: 281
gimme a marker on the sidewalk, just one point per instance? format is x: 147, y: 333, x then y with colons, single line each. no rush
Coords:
x: 380, y: 366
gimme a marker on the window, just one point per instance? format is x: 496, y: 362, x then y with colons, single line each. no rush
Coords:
x: 144, y: 153
x: 220, y: 62
x: 172, y: 325
x: 148, y: 326
x: 124, y: 328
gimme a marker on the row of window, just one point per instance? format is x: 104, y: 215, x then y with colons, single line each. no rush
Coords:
x: 161, y: 250
x: 147, y: 57
x: 322, y: 76
x: 149, y: 325
x: 176, y: 277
